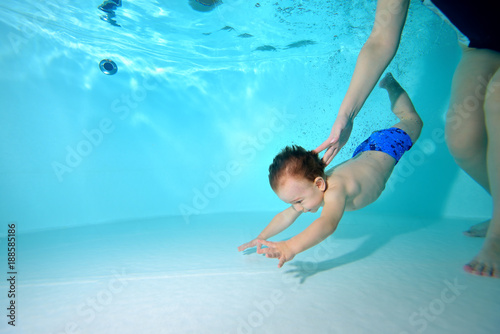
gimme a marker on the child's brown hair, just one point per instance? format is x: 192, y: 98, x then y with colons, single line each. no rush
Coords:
x: 295, y: 161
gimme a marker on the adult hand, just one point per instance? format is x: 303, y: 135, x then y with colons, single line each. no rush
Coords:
x: 341, y: 130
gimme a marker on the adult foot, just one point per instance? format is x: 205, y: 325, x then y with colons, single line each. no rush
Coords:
x: 487, y: 262
x: 478, y: 230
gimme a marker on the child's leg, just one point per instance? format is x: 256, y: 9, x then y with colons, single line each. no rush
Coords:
x: 402, y: 107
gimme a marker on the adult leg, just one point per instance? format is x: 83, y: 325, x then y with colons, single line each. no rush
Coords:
x: 465, y: 125
x: 471, y: 133
x: 487, y: 262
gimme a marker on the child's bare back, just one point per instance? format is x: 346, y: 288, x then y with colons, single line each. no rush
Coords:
x: 363, y: 178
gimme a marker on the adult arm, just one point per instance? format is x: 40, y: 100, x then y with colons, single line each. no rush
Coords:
x: 373, y: 59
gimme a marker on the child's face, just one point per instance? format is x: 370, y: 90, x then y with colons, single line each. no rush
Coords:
x: 304, y: 195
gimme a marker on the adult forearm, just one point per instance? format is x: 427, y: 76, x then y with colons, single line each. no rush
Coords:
x: 372, y: 61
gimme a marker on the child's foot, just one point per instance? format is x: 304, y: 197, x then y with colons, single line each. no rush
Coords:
x: 478, y: 230
x: 387, y: 81
x: 487, y: 262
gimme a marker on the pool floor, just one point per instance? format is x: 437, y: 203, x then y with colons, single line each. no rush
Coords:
x: 374, y: 275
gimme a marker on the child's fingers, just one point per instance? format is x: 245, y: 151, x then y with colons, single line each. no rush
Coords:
x: 264, y: 250
x: 273, y: 254
x: 270, y: 252
x: 265, y: 242
x: 268, y: 245
x: 282, y: 261
x: 245, y: 246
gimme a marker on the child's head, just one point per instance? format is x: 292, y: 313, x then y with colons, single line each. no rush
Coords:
x: 298, y: 177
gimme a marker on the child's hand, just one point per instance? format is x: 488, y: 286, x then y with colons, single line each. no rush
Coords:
x: 276, y: 250
x: 250, y: 244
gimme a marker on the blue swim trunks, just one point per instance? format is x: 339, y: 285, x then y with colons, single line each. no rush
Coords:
x: 392, y: 141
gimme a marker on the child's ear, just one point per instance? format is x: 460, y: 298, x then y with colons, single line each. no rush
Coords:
x: 320, y: 183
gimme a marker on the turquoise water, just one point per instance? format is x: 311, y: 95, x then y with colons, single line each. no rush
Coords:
x: 156, y: 174
x: 197, y: 109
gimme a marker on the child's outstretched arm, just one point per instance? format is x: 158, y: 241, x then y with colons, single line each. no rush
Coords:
x: 319, y: 230
x: 279, y: 223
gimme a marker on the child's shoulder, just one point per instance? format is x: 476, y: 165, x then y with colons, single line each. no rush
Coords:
x: 338, y: 167
x: 336, y: 191
x: 340, y: 181
x: 335, y: 182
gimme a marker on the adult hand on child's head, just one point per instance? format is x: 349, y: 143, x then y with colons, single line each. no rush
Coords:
x: 341, y: 130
